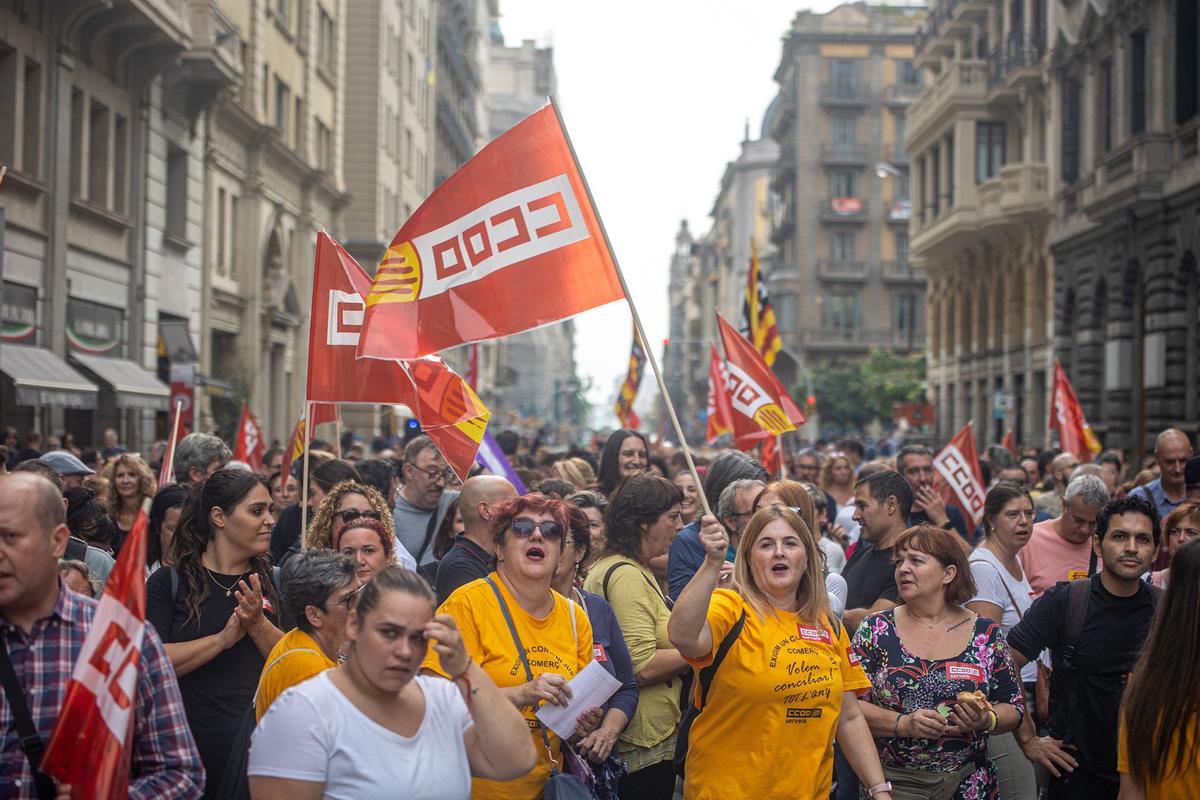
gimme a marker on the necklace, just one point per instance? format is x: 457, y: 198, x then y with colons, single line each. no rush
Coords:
x: 228, y: 589
x: 929, y: 625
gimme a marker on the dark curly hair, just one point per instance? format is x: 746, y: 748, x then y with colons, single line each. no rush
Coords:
x: 1129, y: 504
x: 639, y: 500
x: 224, y: 489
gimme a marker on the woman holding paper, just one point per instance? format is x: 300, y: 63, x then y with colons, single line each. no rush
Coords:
x: 555, y: 634
x: 786, y: 685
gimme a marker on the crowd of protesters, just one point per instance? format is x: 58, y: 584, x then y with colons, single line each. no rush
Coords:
x: 835, y: 630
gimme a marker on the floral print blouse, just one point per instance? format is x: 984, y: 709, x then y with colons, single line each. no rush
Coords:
x: 903, y: 682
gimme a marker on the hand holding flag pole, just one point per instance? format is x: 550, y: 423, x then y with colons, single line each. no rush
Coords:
x: 637, y: 320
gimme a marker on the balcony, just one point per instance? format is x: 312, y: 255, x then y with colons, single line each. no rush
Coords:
x: 830, y: 270
x: 961, y: 84
x: 851, y: 153
x: 844, y: 209
x: 1015, y: 65
x: 840, y: 94
x: 902, y: 94
x: 1019, y: 193
x: 213, y: 63
x: 1130, y: 179
x: 901, y: 272
x: 848, y: 339
x: 945, y: 21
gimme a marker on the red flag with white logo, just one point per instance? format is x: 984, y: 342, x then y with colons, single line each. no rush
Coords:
x: 509, y: 242
x: 249, y: 446
x: 959, y: 476
x: 762, y: 408
x: 720, y: 413
x: 90, y: 745
x: 1066, y: 417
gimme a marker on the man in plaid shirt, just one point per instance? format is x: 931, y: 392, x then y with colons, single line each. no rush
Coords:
x: 43, y: 625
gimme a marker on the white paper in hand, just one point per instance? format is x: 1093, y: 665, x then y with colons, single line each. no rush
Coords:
x: 590, y: 688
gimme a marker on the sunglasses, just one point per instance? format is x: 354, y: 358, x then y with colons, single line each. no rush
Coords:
x: 351, y: 514
x: 523, y: 527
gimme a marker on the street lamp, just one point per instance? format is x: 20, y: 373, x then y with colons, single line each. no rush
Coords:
x: 883, y: 169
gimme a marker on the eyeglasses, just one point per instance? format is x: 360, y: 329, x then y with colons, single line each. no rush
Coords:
x: 433, y: 473
x: 351, y: 514
x: 523, y: 527
x: 348, y: 600
x: 1016, y: 514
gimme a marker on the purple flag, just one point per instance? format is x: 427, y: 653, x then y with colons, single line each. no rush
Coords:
x: 492, y: 457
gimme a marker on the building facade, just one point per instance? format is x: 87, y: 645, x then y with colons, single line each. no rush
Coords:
x: 980, y: 141
x: 1127, y: 230
x: 842, y: 282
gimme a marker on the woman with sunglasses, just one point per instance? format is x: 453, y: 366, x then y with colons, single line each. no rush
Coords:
x: 319, y: 587
x: 642, y: 520
x: 554, y: 631
x: 349, y: 502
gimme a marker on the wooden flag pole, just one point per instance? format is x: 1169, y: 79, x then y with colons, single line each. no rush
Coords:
x: 304, y: 440
x: 169, y: 456
x: 783, y: 473
x: 637, y: 320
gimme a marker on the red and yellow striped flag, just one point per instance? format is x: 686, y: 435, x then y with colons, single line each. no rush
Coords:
x: 623, y: 407
x: 758, y: 318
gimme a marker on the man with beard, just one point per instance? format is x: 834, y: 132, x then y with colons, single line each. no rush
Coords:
x: 1094, y: 629
x: 915, y: 463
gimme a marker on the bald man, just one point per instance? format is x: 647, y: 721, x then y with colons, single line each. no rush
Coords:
x: 471, y: 555
x: 1063, y: 468
x: 1172, y: 449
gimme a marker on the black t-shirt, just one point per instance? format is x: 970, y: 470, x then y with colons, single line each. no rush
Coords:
x: 285, y: 533
x: 216, y: 695
x: 1112, y: 635
x: 870, y: 575
x: 464, y: 562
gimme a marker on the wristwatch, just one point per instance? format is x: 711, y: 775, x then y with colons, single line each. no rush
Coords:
x: 879, y: 788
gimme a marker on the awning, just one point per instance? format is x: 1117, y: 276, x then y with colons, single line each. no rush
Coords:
x: 136, y: 386
x: 41, y: 378
x: 176, y: 341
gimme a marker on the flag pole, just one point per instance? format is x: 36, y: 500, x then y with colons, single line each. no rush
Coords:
x: 304, y: 440
x: 172, y: 443
x: 637, y: 320
x: 783, y: 474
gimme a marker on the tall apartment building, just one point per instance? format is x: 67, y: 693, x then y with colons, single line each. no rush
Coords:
x: 103, y: 207
x: 273, y: 178
x: 980, y: 139
x: 462, y: 55
x: 1126, y: 101
x: 842, y: 282
x: 531, y: 373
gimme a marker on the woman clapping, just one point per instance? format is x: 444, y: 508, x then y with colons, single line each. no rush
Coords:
x: 787, y: 684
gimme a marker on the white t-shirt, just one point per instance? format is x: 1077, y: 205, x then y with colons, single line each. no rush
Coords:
x: 835, y: 556
x: 845, y: 518
x: 991, y: 580
x: 836, y: 588
x: 314, y: 733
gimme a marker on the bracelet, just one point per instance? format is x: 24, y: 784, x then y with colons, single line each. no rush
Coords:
x: 896, y: 729
x: 462, y: 676
x: 995, y: 721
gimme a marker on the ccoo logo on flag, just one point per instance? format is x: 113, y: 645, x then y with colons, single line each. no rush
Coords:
x: 345, y: 318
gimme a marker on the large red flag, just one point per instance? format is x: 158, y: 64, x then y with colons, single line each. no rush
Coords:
x: 249, y: 446
x: 720, y: 412
x: 762, y: 408
x: 961, y: 478
x: 90, y: 745
x: 447, y: 407
x: 509, y: 242
x: 1066, y: 417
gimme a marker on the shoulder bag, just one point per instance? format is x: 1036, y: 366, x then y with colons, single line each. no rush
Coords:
x: 27, y: 733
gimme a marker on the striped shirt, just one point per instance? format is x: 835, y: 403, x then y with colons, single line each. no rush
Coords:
x: 165, y: 764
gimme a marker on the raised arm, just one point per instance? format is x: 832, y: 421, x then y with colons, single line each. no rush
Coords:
x: 688, y: 629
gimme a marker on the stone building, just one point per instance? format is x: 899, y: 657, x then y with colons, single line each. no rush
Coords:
x: 1127, y: 230
x: 980, y: 139
x: 841, y: 281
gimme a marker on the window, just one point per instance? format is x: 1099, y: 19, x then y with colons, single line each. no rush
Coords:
x: 98, y: 148
x: 283, y: 11
x: 841, y: 247
x: 222, y: 230
x: 283, y: 102
x: 989, y: 150
x: 906, y: 73
x: 77, y: 101
x: 408, y: 152
x: 841, y: 312
x: 901, y: 248
x: 298, y: 128
x: 843, y: 133
x: 32, y: 114
x: 412, y: 78
x: 177, y: 167
x: 233, y: 234
x: 935, y: 177
x: 901, y: 131
x: 8, y: 100
x: 1104, y: 87
x: 326, y: 39
x: 845, y: 79
x: 266, y: 90
x: 120, y: 147
x: 1137, y: 83
x: 785, y: 310
x: 1070, y: 134
x: 324, y: 147
x: 906, y: 313
x: 843, y: 183
x: 1187, y: 60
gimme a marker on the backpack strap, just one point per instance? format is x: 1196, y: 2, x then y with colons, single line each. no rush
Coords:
x: 709, y: 673
x: 275, y: 661
x: 1003, y: 583
x: 27, y: 733
x: 1078, y: 592
x: 608, y: 576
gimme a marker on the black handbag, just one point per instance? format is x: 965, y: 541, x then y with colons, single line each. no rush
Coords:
x: 560, y: 785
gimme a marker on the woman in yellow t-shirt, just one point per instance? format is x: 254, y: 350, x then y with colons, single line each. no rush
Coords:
x: 1158, y: 746
x: 554, y: 631
x: 787, y: 685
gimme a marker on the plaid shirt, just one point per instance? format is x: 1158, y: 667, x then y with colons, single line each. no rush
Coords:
x: 165, y: 761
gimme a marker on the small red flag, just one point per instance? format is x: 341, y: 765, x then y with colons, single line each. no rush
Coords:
x: 1008, y: 444
x: 1066, y: 417
x: 720, y: 413
x: 249, y: 446
x: 762, y: 408
x: 302, y: 434
x: 90, y: 745
x: 509, y: 242
x: 959, y: 476
x: 178, y: 431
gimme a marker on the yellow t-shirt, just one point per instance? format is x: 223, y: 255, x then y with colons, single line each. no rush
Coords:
x: 288, y: 664
x: 642, y: 614
x: 1183, y: 785
x: 551, y: 646
x: 777, y: 694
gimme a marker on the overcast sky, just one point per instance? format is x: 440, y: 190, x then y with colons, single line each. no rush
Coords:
x: 655, y: 95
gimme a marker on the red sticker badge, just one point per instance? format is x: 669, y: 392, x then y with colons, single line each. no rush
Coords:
x: 958, y: 671
x: 814, y: 634
x: 851, y: 656
x: 598, y: 653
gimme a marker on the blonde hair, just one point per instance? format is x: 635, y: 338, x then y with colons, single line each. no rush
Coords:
x: 146, y: 483
x: 812, y: 599
x: 320, y: 531
x: 826, y: 476
x: 575, y: 471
